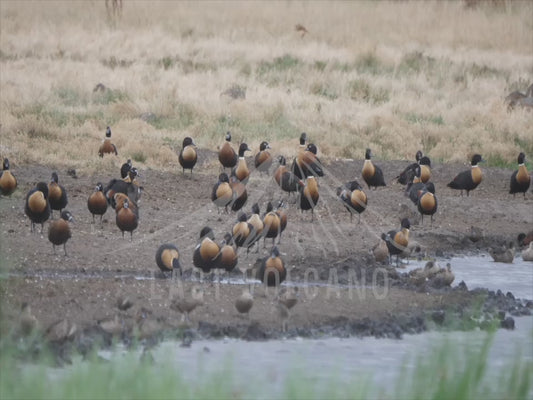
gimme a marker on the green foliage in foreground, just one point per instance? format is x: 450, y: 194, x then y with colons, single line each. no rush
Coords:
x: 445, y: 372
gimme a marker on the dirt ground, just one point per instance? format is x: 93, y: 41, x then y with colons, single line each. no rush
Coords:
x: 102, y: 266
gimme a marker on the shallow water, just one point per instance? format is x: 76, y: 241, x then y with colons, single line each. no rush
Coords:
x: 253, y: 365
x: 483, y: 272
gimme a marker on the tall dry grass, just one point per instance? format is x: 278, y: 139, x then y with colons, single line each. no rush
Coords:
x: 393, y: 76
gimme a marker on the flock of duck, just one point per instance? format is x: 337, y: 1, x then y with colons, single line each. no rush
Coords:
x: 230, y: 193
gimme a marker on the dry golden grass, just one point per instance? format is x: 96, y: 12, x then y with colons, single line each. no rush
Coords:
x: 393, y: 76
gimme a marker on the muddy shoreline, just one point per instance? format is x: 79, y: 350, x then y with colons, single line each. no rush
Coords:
x: 83, y: 288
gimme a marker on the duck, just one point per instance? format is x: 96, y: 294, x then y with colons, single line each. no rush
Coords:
x: 407, y: 175
x: 415, y: 186
x: 188, y: 155
x: 241, y: 171
x: 36, y: 206
x: 226, y: 155
x: 279, y: 210
x: 296, y: 168
x: 57, y: 194
x: 524, y: 239
x: 167, y: 258
x: 427, y: 201
x: 470, y: 179
x: 131, y: 176
x: 504, y: 254
x: 263, y: 159
x: 520, y: 179
x: 444, y: 277
x: 285, y: 301
x: 206, y: 254
x: 245, y: 302
x: 243, y: 232
x: 271, y: 223
x: 187, y: 303
x: 272, y: 271
x: 61, y: 331
x: 425, y: 169
x: 8, y: 182
x: 527, y: 254
x: 112, y: 326
x: 59, y: 231
x: 228, y: 256
x: 97, y: 202
x: 353, y: 197
x: 27, y: 322
x: 130, y: 189
x: 118, y: 203
x: 309, y: 195
x: 127, y: 219
x: 124, y: 303
x: 125, y: 168
x: 308, y: 163
x: 239, y: 192
x: 397, y: 240
x: 380, y: 251
x: 257, y: 223
x: 107, y: 147
x: 222, y: 194
x: 285, y: 178
x: 146, y: 327
x: 372, y: 174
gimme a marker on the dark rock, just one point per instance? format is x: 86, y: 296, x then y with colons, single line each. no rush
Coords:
x: 507, y: 323
x: 509, y: 295
x: 255, y: 332
x: 438, y: 317
x: 72, y: 172
x: 186, y: 342
x: 439, y: 253
x: 462, y: 286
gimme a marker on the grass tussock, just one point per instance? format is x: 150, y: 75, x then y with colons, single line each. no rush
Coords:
x: 192, y: 69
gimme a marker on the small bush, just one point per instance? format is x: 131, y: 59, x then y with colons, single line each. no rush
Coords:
x: 166, y: 63
x: 112, y: 62
x: 369, y: 63
x: 110, y: 96
x: 360, y: 89
x: 139, y: 156
x: 283, y: 63
x: 70, y: 97
x: 416, y: 62
x: 235, y: 92
x: 246, y: 70
x: 322, y: 89
x: 182, y: 116
x: 320, y: 65
x: 482, y: 71
x: 415, y: 118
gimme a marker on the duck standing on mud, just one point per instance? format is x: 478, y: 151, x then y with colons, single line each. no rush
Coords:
x: 397, y: 241
x: 8, y: 182
x: 520, y: 179
x: 470, y: 179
